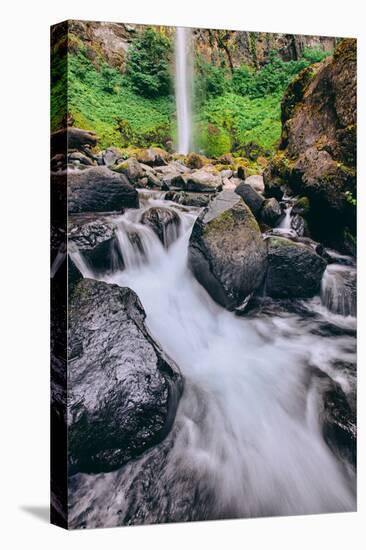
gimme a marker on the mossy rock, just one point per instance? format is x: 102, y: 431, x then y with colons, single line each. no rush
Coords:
x: 301, y: 206
x: 226, y: 252
x: 194, y: 160
x: 295, y: 92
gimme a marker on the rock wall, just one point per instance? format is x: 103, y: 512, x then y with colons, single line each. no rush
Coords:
x: 228, y: 48
x: 317, y: 154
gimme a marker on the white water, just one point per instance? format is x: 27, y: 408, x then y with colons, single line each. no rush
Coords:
x: 286, y: 222
x: 338, y: 289
x: 183, y: 88
x: 249, y: 422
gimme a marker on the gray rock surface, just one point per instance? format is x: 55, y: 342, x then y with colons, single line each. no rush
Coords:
x: 123, y: 390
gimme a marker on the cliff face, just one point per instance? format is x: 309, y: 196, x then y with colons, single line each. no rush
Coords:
x: 235, y: 48
x: 317, y: 154
x: 218, y: 47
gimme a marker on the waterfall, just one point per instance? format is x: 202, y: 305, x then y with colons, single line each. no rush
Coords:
x: 286, y: 222
x: 247, y: 439
x: 182, y: 88
x: 338, y: 289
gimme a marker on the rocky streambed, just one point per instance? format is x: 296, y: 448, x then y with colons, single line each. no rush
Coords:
x: 211, y: 349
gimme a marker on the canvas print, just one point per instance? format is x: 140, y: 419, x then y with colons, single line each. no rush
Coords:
x: 203, y: 274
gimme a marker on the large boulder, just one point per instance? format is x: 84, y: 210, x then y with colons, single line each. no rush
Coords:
x: 122, y: 390
x: 98, y: 189
x: 251, y: 198
x: 202, y: 181
x: 131, y: 168
x: 165, y: 222
x: 295, y: 270
x: 226, y: 251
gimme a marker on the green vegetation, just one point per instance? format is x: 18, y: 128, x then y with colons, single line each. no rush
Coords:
x: 105, y: 101
x: 135, y: 106
x: 350, y: 198
x: 148, y: 64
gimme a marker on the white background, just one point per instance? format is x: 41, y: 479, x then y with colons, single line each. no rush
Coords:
x: 24, y: 218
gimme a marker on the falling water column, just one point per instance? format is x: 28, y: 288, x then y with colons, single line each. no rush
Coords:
x: 182, y: 88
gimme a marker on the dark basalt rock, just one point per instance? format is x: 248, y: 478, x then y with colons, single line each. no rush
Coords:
x: 251, y: 198
x: 189, y: 199
x: 295, y: 270
x: 226, y: 251
x: 153, y: 156
x: 99, y: 190
x: 111, y: 156
x: 123, y: 390
x: 96, y: 241
x: 164, y: 222
x: 77, y: 157
x: 299, y: 225
x: 338, y: 418
x: 72, y: 138
x: 271, y: 212
x: 317, y: 154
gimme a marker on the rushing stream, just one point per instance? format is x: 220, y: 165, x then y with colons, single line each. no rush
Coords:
x: 247, y: 439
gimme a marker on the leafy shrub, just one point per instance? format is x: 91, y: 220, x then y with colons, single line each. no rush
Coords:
x: 213, y: 140
x: 209, y: 82
x: 109, y: 78
x: 241, y: 80
x: 275, y: 76
x: 147, y: 64
x: 314, y: 55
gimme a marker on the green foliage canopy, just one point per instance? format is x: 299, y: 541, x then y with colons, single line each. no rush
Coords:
x: 147, y: 65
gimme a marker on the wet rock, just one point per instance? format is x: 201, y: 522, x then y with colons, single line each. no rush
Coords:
x: 250, y: 197
x: 189, y: 199
x: 131, y: 168
x: 58, y: 162
x: 202, y: 181
x: 256, y: 182
x: 229, y: 184
x: 80, y: 158
x: 165, y: 222
x: 153, y: 156
x: 99, y: 189
x: 301, y: 206
x: 123, y: 390
x: 317, y: 155
x: 339, y: 427
x: 226, y: 251
x: 172, y: 178
x: 298, y: 224
x: 271, y: 212
x: 338, y: 417
x: 194, y: 160
x: 241, y: 172
x: 227, y: 174
x: 295, y: 270
x: 72, y: 138
x: 96, y: 240
x: 226, y: 159
x: 111, y: 156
